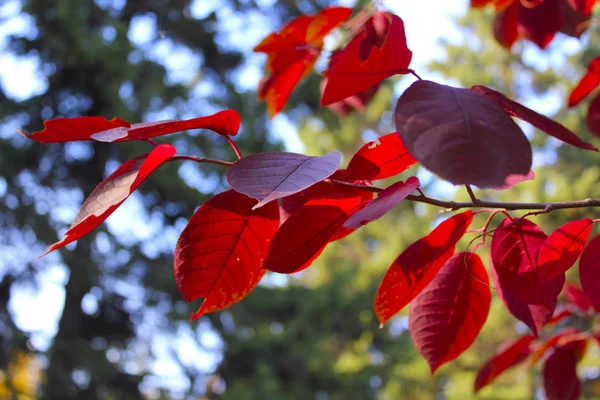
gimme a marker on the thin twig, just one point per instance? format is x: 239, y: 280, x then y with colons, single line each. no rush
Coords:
x: 474, y: 198
x: 202, y: 160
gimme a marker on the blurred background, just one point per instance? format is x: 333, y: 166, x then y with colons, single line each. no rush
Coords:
x: 102, y: 319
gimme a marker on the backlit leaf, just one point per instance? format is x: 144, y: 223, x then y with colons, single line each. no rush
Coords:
x: 577, y: 297
x: 540, y: 24
x: 375, y: 53
x: 416, y: 266
x: 380, y: 159
x: 220, y: 252
x: 560, y: 374
x: 593, y: 116
x: 506, y: 25
x: 569, y: 334
x: 563, y: 247
x: 461, y: 135
x: 541, y: 122
x: 589, y: 271
x: 112, y: 192
x: 507, y: 356
x: 270, y: 176
x: 589, y: 82
x: 385, y: 201
x: 446, y: 317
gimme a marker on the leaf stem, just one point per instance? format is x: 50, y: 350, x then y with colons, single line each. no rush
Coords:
x: 234, y: 146
x: 202, y: 160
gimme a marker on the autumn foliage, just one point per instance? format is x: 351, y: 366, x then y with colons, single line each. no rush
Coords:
x: 283, y: 209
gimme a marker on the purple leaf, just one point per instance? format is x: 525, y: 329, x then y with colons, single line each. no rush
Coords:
x: 270, y: 176
x: 387, y: 199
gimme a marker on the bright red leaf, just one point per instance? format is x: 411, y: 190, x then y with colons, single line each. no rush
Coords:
x: 220, y: 252
x: 375, y: 53
x: 506, y: 25
x: 534, y: 316
x: 593, y: 116
x: 292, y: 53
x: 589, y: 271
x: 567, y: 335
x: 446, y: 317
x: 514, y: 252
x: 380, y: 159
x: 589, y: 82
x: 304, y: 235
x: 112, y: 192
x: 541, y: 122
x: 577, y: 297
x: 560, y: 314
x: 562, y: 248
x: 270, y: 176
x: 416, y: 266
x: 461, y: 135
x: 507, y: 356
x: 117, y: 130
x: 560, y: 374
x: 385, y: 201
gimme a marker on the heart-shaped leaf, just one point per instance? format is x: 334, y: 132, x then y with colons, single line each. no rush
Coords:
x: 220, y: 252
x: 112, y: 192
x: 446, y: 317
x: 270, y: 176
x: 461, y: 135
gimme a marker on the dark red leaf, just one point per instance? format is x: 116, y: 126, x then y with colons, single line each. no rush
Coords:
x: 386, y: 200
x: 461, y: 135
x: 589, y: 271
x: 577, y: 297
x: 560, y: 374
x: 220, y: 252
x: 380, y: 159
x: 270, y: 176
x: 541, y: 122
x: 357, y: 102
x: 540, y: 24
x: 506, y: 25
x: 593, y: 116
x: 583, y: 6
x: 304, y: 235
x: 562, y: 248
x: 589, y: 82
x: 446, y: 317
x: 370, y: 57
x: 507, y: 356
x: 112, y: 192
x: 534, y: 316
x: 117, y: 130
x: 416, y: 266
x: 514, y: 252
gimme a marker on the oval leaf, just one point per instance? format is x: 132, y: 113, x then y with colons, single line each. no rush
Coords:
x: 509, y: 355
x: 541, y: 122
x: 560, y: 374
x: 412, y: 271
x: 514, y: 251
x: 589, y: 272
x: 270, y: 176
x: 304, y: 235
x: 589, y: 82
x: 563, y: 247
x: 446, y: 317
x: 506, y: 25
x: 577, y: 297
x: 380, y: 159
x: 387, y: 199
x: 112, y: 192
x: 461, y: 135
x: 220, y: 252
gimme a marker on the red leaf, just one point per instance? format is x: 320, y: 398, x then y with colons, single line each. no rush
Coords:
x: 270, y: 176
x: 377, y: 52
x: 560, y: 314
x: 541, y: 23
x: 220, y: 252
x: 574, y: 22
x: 387, y: 199
x: 461, y: 135
x: 380, y: 159
x: 583, y: 6
x: 112, y: 192
x: 514, y: 251
x: 507, y: 356
x: 506, y: 25
x: 117, y: 130
x: 304, y: 235
x: 416, y: 266
x: 292, y: 53
x: 560, y: 374
x: 576, y: 296
x: 589, y: 271
x: 593, y: 116
x: 534, y: 316
x: 562, y: 248
x: 589, y: 82
x: 568, y: 335
x: 446, y: 317
x: 541, y: 122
